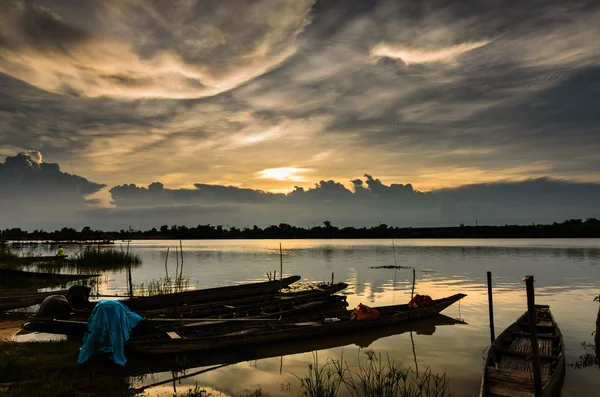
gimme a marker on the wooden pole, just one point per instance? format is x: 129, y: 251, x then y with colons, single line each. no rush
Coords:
x: 166, y: 268
x: 130, y: 281
x: 535, y: 348
x: 412, y: 293
x: 280, y: 267
x: 177, y: 258
x: 491, y: 306
x: 181, y: 253
x: 597, y: 336
x: 332, y: 274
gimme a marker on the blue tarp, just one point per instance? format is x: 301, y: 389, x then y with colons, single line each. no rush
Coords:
x: 109, y: 327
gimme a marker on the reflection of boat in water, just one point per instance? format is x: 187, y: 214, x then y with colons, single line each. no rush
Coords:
x: 189, y: 338
x: 507, y: 371
x: 143, y: 364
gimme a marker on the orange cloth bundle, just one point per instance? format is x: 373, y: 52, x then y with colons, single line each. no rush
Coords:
x: 363, y: 312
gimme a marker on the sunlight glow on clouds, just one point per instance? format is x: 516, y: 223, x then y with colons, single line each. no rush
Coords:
x: 417, y: 56
x: 284, y: 174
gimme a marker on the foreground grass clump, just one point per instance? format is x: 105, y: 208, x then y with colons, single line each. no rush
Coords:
x: 162, y: 285
x: 107, y: 258
x: 51, y: 369
x: 372, y: 377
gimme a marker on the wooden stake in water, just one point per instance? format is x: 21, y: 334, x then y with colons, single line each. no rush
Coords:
x: 181, y: 253
x: 166, y: 268
x: 280, y: 268
x: 130, y: 281
x: 412, y: 293
x: 535, y: 348
x: 491, y: 306
x: 177, y: 258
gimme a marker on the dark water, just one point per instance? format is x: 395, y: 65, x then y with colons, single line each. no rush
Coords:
x: 567, y: 278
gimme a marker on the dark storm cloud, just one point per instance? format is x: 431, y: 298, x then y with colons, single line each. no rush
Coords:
x: 35, y: 193
x: 537, y: 200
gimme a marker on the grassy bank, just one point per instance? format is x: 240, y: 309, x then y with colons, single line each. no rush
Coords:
x: 51, y: 369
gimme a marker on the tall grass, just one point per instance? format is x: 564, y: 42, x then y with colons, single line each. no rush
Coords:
x: 8, y: 258
x: 372, y: 377
x: 162, y: 285
x: 107, y: 258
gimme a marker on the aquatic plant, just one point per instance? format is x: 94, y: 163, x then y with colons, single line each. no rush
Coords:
x: 162, y: 285
x: 372, y: 377
x: 7, y: 258
x: 107, y: 258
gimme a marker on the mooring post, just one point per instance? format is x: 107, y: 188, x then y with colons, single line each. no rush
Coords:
x: 535, y: 348
x: 491, y: 306
x: 412, y: 293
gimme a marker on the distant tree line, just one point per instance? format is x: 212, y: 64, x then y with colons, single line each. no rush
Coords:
x: 573, y: 228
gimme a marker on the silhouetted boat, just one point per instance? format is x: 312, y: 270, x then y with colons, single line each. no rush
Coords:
x: 17, y: 301
x: 45, y: 258
x: 8, y: 275
x: 507, y: 371
x: 262, y: 306
x: 138, y: 364
x: 203, y: 339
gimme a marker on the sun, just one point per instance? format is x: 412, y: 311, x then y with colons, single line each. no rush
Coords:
x: 283, y: 174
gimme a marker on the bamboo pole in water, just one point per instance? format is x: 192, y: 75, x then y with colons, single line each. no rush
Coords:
x: 535, y: 347
x: 181, y: 253
x: 166, y: 268
x: 280, y: 268
x: 597, y: 336
x: 412, y: 293
x: 491, y: 306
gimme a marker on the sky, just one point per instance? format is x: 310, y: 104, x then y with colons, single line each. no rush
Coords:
x: 246, y: 112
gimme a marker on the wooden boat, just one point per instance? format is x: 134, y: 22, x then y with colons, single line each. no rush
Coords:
x: 9, y: 275
x: 267, y: 306
x: 203, y: 339
x: 246, y: 306
x: 17, y: 301
x: 138, y: 364
x: 45, y: 258
x: 507, y: 370
x: 161, y: 325
x: 208, y: 295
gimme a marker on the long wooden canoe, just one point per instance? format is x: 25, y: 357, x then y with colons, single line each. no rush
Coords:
x: 8, y: 275
x: 138, y: 364
x: 17, y: 301
x: 264, y: 306
x: 243, y: 307
x: 208, y: 295
x: 201, y: 340
x: 45, y: 258
x: 507, y: 370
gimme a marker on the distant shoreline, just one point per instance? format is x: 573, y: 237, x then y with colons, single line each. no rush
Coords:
x: 574, y: 228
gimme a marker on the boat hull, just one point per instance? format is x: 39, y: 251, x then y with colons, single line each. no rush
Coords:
x: 505, y: 373
x: 163, y: 344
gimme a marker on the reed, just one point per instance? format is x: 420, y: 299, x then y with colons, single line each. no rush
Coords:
x: 105, y: 257
x: 9, y: 258
x: 372, y: 377
x: 162, y: 285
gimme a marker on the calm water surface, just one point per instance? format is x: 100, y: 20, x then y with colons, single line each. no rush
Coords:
x: 567, y: 278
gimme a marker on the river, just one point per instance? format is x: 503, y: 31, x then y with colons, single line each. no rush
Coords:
x: 567, y: 273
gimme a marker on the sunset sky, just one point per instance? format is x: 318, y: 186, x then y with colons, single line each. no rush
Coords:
x: 272, y: 94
